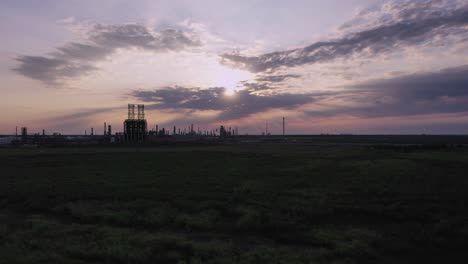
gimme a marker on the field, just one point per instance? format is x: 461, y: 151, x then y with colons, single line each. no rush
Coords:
x: 265, y: 203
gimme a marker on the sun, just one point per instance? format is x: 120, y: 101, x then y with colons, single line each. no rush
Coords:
x: 229, y: 91
x: 230, y: 79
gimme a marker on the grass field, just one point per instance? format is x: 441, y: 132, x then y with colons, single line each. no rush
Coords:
x: 271, y: 203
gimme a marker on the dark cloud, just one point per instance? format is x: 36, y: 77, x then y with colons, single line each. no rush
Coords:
x: 414, y: 26
x: 134, y: 35
x: 242, y: 104
x: 445, y: 91
x: 267, y: 82
x: 451, y: 82
x: 75, y: 59
x: 79, y: 51
x: 50, y: 70
x: 257, y: 86
x: 276, y: 78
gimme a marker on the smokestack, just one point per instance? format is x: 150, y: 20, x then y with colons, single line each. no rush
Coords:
x: 92, y: 131
x: 109, y: 130
x: 105, y: 132
x: 43, y: 132
x: 24, y: 131
x: 16, y: 133
x: 284, y: 123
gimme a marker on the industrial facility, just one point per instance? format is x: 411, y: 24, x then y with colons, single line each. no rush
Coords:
x: 135, y: 131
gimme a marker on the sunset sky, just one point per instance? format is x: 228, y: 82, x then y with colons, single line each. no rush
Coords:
x: 331, y: 66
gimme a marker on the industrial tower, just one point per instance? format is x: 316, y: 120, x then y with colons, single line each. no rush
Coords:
x: 135, y: 129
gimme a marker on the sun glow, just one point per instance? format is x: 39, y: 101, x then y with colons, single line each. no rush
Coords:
x: 230, y: 79
x: 229, y: 91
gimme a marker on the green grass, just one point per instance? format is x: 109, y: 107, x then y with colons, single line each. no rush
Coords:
x: 233, y: 204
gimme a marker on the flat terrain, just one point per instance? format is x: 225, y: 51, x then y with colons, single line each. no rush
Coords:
x: 257, y: 203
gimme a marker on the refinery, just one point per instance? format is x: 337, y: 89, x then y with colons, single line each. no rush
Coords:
x: 135, y: 131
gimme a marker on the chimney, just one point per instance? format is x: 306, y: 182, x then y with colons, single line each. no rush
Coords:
x: 284, y: 129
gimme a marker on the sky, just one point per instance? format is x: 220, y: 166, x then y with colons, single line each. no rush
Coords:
x: 331, y: 66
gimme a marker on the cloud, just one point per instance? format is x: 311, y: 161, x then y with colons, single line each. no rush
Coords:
x: 257, y: 86
x: 445, y: 91
x: 411, y: 23
x: 276, y: 78
x: 75, y: 121
x: 242, y: 104
x: 51, y: 70
x: 86, y: 113
x: 426, y: 93
x: 80, y: 51
x: 75, y: 59
x: 139, y: 36
x: 265, y: 82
